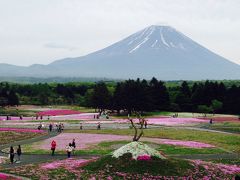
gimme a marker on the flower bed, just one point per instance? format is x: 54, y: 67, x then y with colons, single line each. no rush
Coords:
x: 111, y: 168
x: 22, y: 130
x: 69, y: 164
x: 138, y: 150
x: 56, y: 112
x: 84, y: 140
x: 189, y: 144
x: 4, y: 176
x: 166, y: 121
x: 211, y: 168
x: 144, y: 157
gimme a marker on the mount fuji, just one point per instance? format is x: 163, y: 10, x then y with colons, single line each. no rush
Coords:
x: 159, y: 51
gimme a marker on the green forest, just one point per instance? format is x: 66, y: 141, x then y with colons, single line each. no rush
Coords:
x: 130, y: 95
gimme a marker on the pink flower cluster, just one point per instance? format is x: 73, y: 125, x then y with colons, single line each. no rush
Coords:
x: 69, y: 164
x: 22, y: 130
x: 226, y: 169
x: 144, y: 157
x: 56, y: 112
x: 83, y: 141
x: 166, y: 121
x: 5, y: 177
x: 191, y: 144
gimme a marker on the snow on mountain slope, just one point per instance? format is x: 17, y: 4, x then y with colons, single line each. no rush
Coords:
x: 159, y: 51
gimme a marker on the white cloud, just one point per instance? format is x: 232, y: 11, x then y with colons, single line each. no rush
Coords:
x: 27, y: 27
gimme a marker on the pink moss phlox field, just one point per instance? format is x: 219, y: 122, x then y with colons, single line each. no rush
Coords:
x: 82, y: 140
x: 191, y: 144
x: 85, y: 140
x: 224, y: 168
x: 144, y: 157
x: 69, y: 164
x: 56, y: 112
x: 3, y: 176
x: 166, y: 121
x: 79, y: 116
x: 22, y: 130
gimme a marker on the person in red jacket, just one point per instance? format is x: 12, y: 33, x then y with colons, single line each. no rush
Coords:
x: 53, y: 147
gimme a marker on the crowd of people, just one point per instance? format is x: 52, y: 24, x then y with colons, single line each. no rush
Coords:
x: 59, y: 127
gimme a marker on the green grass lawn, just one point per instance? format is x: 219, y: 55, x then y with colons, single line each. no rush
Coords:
x: 7, y: 137
x: 14, y: 112
x: 233, y: 127
x: 229, y: 142
x: 105, y: 147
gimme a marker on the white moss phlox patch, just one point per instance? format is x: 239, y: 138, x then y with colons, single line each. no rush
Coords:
x: 136, y: 149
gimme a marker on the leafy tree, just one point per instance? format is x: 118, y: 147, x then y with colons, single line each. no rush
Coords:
x: 216, y: 105
x: 13, y: 98
x: 204, y: 109
x: 101, y: 97
x: 183, y: 98
x: 159, y: 95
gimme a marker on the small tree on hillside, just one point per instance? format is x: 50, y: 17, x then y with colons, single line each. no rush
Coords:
x: 137, y: 135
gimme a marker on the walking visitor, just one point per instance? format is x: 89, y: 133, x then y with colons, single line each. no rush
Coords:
x: 69, y: 150
x: 53, y: 147
x: 19, y: 153
x: 50, y: 127
x: 11, y: 154
x: 73, y: 145
x: 99, y: 126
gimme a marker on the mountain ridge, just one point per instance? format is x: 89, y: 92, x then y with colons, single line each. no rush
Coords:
x: 159, y: 51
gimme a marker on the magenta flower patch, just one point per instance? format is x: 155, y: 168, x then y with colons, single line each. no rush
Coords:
x: 56, y: 112
x: 144, y: 157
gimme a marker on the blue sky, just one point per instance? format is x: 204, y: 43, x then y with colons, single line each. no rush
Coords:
x: 46, y: 30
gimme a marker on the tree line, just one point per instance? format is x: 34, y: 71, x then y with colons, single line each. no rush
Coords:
x: 128, y: 96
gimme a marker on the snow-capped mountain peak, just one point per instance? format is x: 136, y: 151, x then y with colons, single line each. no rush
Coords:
x: 159, y: 51
x: 152, y: 38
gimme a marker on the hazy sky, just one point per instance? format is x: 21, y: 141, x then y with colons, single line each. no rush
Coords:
x: 41, y: 31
